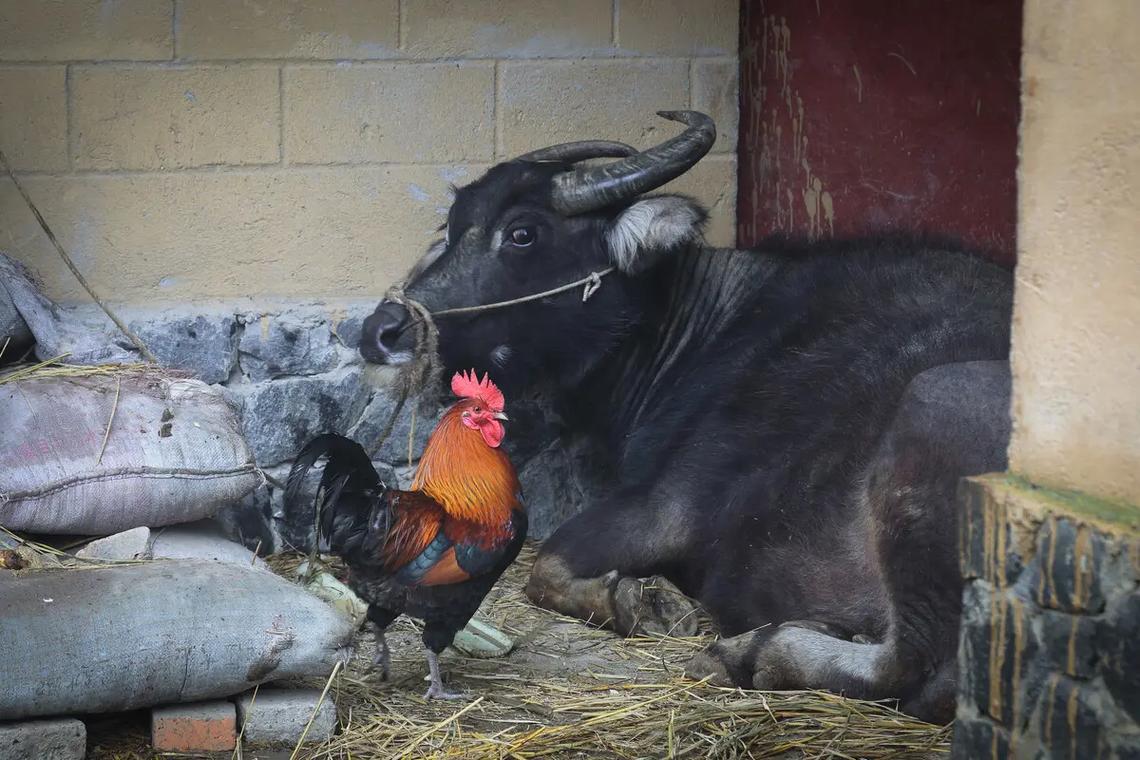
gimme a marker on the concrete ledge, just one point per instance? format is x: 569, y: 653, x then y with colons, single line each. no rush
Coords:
x: 1049, y: 649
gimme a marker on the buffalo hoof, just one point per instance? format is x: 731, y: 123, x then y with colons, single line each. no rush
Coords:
x: 728, y: 662
x: 708, y: 665
x: 652, y: 606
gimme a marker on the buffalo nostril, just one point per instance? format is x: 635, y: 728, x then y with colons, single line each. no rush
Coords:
x: 381, y: 332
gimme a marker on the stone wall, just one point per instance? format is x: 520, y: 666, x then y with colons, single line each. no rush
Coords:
x: 230, y: 149
x: 1050, y: 642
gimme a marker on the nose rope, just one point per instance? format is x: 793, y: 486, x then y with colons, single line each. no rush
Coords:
x: 425, y: 368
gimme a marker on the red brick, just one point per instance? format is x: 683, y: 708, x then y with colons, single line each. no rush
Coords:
x: 196, y: 727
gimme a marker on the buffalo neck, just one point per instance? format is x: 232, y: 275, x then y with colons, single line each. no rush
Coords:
x: 686, y: 304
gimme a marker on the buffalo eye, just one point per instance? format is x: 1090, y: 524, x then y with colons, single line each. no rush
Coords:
x: 521, y: 237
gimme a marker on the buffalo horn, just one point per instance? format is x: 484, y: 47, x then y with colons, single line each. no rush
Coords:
x: 588, y: 188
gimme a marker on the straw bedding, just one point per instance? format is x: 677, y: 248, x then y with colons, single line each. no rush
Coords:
x: 566, y: 691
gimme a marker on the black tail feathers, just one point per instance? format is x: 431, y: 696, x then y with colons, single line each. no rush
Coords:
x: 339, y: 513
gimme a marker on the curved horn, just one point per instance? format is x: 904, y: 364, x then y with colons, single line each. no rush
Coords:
x: 585, y: 189
x: 582, y: 150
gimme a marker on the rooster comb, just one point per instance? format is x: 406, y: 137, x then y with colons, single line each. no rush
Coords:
x: 467, y: 385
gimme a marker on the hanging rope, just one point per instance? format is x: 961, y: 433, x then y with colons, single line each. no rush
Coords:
x: 135, y: 339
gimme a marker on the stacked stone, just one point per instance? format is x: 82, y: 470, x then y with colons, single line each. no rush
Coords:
x: 294, y: 372
x: 1049, y: 655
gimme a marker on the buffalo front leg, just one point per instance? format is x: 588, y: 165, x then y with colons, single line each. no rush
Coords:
x: 603, y: 567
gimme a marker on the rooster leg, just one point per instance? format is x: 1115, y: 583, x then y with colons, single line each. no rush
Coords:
x: 383, y: 657
x: 436, y: 690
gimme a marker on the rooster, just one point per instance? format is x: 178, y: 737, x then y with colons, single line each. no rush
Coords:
x: 435, y: 551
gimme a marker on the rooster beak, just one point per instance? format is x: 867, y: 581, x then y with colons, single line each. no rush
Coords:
x: 502, y: 416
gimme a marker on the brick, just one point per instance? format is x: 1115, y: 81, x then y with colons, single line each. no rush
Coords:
x: 389, y: 112
x: 61, y: 739
x: 678, y: 27
x: 280, y: 715
x: 130, y: 544
x: 309, y: 233
x: 33, y: 117
x: 216, y: 29
x: 61, y: 30
x: 713, y: 183
x: 194, y: 727
x: 716, y: 92
x: 556, y: 101
x: 164, y: 118
x: 507, y: 28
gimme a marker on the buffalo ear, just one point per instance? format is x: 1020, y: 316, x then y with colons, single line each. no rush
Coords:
x: 652, y: 228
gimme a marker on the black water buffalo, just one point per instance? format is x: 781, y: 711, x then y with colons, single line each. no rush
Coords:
x: 787, y: 424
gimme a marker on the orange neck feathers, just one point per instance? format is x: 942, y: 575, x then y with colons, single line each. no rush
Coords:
x: 469, y: 479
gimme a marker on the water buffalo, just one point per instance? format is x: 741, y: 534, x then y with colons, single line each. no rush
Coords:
x: 786, y: 424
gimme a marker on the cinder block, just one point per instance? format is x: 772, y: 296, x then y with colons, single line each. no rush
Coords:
x: 507, y: 28
x: 310, y: 233
x: 130, y: 544
x: 33, y: 117
x: 124, y: 30
x: 217, y: 29
x: 162, y: 118
x: 389, y: 112
x: 59, y: 739
x: 556, y: 101
x: 280, y: 715
x: 194, y: 727
x: 716, y: 92
x: 678, y: 27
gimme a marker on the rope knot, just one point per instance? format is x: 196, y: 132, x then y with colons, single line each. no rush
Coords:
x: 593, y: 282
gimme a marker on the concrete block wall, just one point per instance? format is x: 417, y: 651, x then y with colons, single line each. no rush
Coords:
x: 289, y: 149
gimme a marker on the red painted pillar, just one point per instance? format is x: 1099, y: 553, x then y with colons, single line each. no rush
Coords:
x: 867, y: 116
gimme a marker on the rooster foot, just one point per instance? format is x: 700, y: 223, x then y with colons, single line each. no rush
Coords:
x: 436, y: 690
x: 652, y: 606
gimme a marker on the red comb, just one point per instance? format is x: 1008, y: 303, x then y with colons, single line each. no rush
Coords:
x: 467, y: 385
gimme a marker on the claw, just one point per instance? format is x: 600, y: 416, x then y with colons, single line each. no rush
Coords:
x: 436, y: 690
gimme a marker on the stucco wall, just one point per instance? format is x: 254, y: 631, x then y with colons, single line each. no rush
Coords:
x: 188, y: 149
x: 1076, y: 332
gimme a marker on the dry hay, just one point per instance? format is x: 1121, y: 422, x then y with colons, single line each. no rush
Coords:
x: 571, y: 691
x: 57, y: 368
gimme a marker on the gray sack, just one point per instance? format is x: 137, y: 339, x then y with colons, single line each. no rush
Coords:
x: 174, y: 453
x: 130, y: 636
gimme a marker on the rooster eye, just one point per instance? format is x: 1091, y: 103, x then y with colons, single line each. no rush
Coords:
x: 521, y: 237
